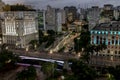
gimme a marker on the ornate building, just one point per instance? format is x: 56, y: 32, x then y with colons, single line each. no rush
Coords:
x: 108, y: 33
x: 19, y: 27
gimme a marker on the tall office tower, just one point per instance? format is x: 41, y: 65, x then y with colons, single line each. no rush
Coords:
x: 60, y: 17
x: 50, y: 18
x: 71, y: 13
x: 93, y: 16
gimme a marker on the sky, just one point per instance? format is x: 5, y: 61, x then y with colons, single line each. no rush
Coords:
x: 39, y: 4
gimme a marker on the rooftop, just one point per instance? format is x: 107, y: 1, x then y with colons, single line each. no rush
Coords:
x: 111, y: 26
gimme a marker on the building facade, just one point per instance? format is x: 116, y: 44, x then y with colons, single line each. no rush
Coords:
x: 71, y: 13
x: 50, y: 18
x: 108, y: 33
x: 41, y: 20
x: 19, y: 27
x: 93, y: 16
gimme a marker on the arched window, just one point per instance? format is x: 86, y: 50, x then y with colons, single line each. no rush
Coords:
x: 115, y: 52
x: 108, y: 51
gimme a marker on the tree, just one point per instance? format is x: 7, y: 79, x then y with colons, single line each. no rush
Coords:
x: 27, y: 74
x: 84, y: 46
x: 82, y: 71
x: 7, y: 58
x: 17, y: 7
x: 7, y: 8
x: 34, y: 43
x: 50, y: 41
x: 51, y: 32
x: 48, y: 68
x: 41, y: 36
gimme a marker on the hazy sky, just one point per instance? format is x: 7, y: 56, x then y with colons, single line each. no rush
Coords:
x: 62, y: 3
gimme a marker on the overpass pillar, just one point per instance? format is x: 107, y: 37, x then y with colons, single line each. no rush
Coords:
x: 66, y: 65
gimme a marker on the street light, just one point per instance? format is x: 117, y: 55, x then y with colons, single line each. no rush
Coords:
x: 27, y: 48
x: 35, y: 46
x: 6, y: 47
x: 78, y: 43
x: 79, y: 55
x: 62, y: 77
x: 51, y: 52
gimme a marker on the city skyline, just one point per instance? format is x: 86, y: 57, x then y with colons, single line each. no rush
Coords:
x: 40, y: 4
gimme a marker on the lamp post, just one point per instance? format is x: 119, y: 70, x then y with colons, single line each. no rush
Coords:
x: 35, y: 46
x: 78, y: 47
x: 111, y: 57
x: 6, y: 47
x: 26, y: 50
x: 16, y: 45
x: 51, y: 52
x: 62, y: 77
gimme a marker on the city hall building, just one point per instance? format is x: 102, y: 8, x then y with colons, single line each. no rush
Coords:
x: 108, y: 33
x: 19, y: 27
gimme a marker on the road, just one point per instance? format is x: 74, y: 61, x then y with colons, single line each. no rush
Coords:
x: 104, y: 60
x: 45, y: 55
x: 95, y: 60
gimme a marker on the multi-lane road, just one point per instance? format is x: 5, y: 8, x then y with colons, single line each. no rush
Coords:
x: 94, y: 59
x: 45, y: 55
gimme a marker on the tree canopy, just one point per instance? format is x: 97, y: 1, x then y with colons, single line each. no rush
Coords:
x: 7, y: 58
x: 17, y: 7
x: 27, y: 74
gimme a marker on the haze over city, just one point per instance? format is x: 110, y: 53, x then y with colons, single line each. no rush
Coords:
x: 59, y: 39
x: 61, y: 3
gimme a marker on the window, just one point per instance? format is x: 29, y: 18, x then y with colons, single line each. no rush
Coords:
x: 118, y: 33
x: 111, y: 32
x: 102, y: 32
x: 112, y: 41
x: 99, y: 32
x: 115, y: 32
x: 95, y: 32
x: 119, y: 52
x: 116, y: 42
x: 108, y: 51
x: 106, y: 32
x: 115, y: 52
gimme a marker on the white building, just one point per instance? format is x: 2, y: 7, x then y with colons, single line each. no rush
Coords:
x: 60, y: 19
x: 19, y: 27
x: 116, y: 14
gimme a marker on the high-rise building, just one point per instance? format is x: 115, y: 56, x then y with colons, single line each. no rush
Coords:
x: 41, y: 20
x: 50, y: 18
x: 108, y: 7
x: 60, y: 17
x: 93, y: 16
x: 19, y: 27
x: 2, y: 4
x: 71, y: 13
